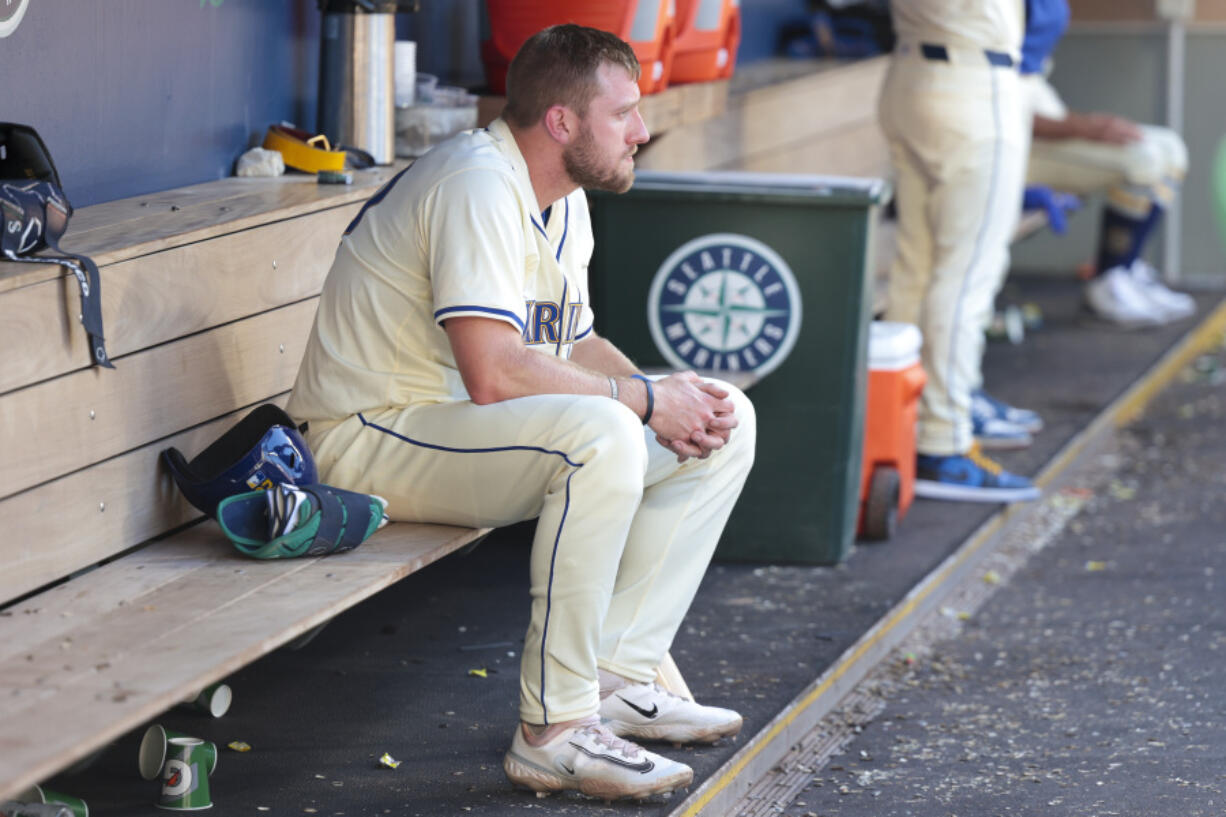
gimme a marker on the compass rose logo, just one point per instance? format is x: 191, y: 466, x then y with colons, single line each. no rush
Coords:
x: 724, y: 302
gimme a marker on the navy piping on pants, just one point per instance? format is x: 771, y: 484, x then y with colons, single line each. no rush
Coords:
x: 553, y: 557
x: 979, y: 239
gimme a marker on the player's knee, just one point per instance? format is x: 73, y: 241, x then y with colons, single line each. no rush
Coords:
x: 743, y: 440
x: 613, y: 434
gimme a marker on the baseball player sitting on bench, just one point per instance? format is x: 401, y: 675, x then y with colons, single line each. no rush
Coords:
x: 453, y: 369
x: 1138, y: 166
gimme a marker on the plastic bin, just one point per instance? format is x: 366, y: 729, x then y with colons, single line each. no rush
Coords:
x: 647, y: 25
x: 708, y: 34
x: 759, y: 274
x: 895, y: 380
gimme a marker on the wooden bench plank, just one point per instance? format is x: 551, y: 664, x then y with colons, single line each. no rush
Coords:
x: 166, y: 295
x: 98, y: 512
x: 127, y: 228
x: 858, y: 149
x: 205, y: 617
x: 89, y: 416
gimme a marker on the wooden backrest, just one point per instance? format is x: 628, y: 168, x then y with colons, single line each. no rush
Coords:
x: 786, y: 116
x: 208, y: 293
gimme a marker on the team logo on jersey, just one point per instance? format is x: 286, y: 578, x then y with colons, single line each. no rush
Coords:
x: 724, y: 302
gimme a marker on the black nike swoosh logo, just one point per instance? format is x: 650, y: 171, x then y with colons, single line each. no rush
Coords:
x: 642, y: 767
x: 568, y: 769
x: 649, y: 714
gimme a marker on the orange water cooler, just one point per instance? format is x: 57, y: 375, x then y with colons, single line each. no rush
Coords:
x: 895, y: 380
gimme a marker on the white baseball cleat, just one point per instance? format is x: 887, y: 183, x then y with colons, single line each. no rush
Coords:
x: 1115, y: 296
x: 587, y: 757
x: 1175, y: 305
x: 649, y: 712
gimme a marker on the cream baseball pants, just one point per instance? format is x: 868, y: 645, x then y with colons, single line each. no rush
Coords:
x: 958, y: 139
x: 624, y: 535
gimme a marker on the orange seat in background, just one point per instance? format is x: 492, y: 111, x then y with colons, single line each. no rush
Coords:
x: 647, y: 25
x: 708, y: 34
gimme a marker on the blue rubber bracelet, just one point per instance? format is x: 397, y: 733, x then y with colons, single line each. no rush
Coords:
x: 651, y: 396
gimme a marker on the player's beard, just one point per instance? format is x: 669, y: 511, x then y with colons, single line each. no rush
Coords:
x: 588, y: 169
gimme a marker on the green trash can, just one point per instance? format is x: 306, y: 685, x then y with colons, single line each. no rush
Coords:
x: 765, y: 276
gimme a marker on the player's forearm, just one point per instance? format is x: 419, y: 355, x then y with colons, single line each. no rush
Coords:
x: 496, y: 366
x: 1045, y: 128
x: 1093, y: 127
x: 523, y: 372
x: 600, y: 355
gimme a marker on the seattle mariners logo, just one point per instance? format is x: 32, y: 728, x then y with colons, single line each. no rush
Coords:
x: 724, y: 302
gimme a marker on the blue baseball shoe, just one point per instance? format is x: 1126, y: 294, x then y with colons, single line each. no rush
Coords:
x: 985, y: 405
x: 999, y: 435
x: 970, y: 477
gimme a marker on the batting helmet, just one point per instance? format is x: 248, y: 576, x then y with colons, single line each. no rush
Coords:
x: 265, y: 448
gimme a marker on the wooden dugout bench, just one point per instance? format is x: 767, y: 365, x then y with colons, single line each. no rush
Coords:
x: 114, y: 604
x: 208, y: 297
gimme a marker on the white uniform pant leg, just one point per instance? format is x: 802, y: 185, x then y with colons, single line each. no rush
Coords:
x: 1132, y: 176
x: 963, y: 131
x: 910, y: 273
x: 671, y: 541
x: 578, y: 462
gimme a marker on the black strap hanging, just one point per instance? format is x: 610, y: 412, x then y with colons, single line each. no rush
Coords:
x: 35, y: 214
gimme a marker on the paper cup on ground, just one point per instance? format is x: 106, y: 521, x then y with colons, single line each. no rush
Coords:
x: 38, y: 794
x: 155, y: 747
x: 185, y: 780
x: 214, y: 699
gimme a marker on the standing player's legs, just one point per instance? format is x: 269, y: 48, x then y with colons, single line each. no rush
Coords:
x: 961, y: 126
x: 957, y: 131
x: 910, y: 274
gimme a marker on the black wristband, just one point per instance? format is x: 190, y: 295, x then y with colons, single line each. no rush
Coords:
x: 651, y: 396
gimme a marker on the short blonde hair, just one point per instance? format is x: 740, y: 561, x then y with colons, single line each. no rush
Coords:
x: 557, y: 66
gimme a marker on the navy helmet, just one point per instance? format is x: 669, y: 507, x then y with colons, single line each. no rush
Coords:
x: 264, y: 449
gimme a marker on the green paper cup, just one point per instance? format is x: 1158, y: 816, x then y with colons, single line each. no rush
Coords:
x: 155, y: 747
x: 214, y: 700
x: 185, y: 783
x: 38, y: 794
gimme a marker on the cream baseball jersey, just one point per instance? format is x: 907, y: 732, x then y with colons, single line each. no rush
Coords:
x: 458, y: 233
x: 997, y: 25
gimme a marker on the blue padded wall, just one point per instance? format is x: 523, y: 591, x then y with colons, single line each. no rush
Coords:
x: 134, y: 96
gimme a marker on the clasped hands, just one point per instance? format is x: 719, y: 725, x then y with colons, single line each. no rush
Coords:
x: 692, y: 417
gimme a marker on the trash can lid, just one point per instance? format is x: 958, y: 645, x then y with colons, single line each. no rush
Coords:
x: 831, y: 189
x: 893, y: 346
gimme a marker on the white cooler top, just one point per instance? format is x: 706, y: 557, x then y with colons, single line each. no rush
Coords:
x: 893, y: 346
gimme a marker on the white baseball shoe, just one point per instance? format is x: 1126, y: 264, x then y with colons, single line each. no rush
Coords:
x: 588, y: 758
x: 1115, y: 296
x: 1176, y: 305
x: 649, y: 712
